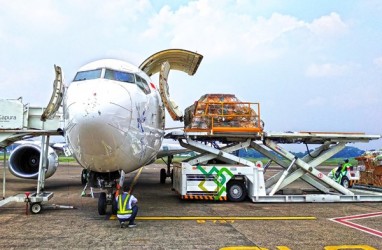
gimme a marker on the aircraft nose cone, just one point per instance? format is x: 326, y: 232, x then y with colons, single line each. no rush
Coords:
x: 99, y: 115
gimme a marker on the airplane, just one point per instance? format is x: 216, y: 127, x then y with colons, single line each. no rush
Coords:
x: 114, y: 119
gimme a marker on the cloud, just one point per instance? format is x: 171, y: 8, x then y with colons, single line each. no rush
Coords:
x: 328, y: 26
x: 328, y: 69
x: 210, y: 27
x: 316, y: 101
x: 365, y: 96
x: 120, y: 12
x: 26, y: 24
x: 36, y: 15
x: 378, y: 62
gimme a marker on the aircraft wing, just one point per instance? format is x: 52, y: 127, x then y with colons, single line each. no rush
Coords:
x: 171, y: 149
x: 58, y: 146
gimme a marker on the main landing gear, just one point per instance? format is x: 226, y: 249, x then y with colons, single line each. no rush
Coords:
x: 169, y: 173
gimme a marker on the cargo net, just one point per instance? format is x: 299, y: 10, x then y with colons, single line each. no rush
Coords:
x: 371, y: 168
x: 223, y: 113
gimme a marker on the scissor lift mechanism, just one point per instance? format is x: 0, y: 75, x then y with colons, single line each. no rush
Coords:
x: 294, y: 168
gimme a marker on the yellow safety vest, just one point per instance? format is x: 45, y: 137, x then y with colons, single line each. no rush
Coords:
x: 345, y: 166
x: 122, y: 204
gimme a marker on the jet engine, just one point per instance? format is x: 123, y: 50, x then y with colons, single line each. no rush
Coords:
x: 25, y: 159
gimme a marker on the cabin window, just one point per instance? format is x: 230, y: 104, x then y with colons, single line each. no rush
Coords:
x: 88, y: 75
x: 119, y: 76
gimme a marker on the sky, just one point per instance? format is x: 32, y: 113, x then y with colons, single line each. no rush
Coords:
x: 312, y: 65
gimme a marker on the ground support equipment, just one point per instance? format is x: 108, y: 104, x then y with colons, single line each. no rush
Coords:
x: 36, y: 199
x: 203, y: 175
x: 25, y: 122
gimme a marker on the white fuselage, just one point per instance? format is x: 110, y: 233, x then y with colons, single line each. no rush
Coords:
x: 112, y: 123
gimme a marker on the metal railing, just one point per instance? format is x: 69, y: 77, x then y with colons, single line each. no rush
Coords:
x: 220, y: 117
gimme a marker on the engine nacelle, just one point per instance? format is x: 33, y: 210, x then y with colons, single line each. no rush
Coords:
x: 25, y: 159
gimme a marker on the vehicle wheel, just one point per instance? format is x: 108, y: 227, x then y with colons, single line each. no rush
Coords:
x: 114, y: 206
x: 102, y: 204
x: 236, y: 191
x: 35, y: 208
x: 345, y: 182
x: 163, y: 176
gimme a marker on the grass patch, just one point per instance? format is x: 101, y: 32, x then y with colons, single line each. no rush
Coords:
x: 66, y: 159
x: 330, y: 162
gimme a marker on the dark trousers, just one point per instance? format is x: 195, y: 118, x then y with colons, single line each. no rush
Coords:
x: 132, y: 217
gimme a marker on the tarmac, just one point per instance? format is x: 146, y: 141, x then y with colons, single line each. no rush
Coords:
x: 167, y: 222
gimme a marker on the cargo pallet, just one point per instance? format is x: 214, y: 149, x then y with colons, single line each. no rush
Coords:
x: 371, y: 176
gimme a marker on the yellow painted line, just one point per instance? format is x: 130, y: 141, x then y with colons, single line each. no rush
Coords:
x: 337, y: 247
x: 113, y: 217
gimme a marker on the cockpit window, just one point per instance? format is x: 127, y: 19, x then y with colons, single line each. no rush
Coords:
x: 88, y: 75
x: 142, y: 84
x: 119, y: 76
x: 114, y: 75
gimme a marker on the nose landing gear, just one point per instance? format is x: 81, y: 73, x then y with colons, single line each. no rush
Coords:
x: 163, y: 173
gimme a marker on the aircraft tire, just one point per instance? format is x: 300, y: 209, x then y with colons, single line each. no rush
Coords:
x: 236, y: 191
x: 114, y: 206
x: 83, y: 177
x: 163, y: 176
x: 102, y: 204
x: 35, y: 208
x: 172, y: 177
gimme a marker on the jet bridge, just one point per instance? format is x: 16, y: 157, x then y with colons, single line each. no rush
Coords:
x: 251, y: 175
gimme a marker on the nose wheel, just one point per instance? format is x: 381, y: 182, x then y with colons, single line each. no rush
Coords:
x: 102, y: 204
x: 163, y: 176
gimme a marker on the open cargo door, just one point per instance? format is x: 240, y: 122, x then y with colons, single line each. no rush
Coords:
x: 56, y: 98
x: 163, y: 62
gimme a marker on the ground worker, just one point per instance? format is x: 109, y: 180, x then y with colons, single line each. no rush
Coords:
x: 342, y: 170
x: 345, y: 167
x: 127, y: 209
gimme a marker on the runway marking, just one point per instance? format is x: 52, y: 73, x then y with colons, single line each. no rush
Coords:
x: 346, y: 221
x: 220, y: 218
x: 340, y: 247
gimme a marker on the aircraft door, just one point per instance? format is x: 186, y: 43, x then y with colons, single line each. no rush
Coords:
x: 163, y: 62
x: 173, y: 108
x: 56, y: 98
